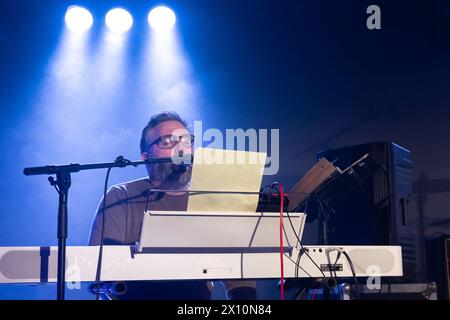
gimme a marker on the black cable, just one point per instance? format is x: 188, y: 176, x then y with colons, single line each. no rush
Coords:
x: 102, y: 235
x: 381, y: 287
x: 122, y: 160
x: 300, y: 293
x: 299, y: 256
x: 389, y: 292
x: 321, y: 204
x: 298, y: 237
x: 301, y: 245
x: 353, y: 273
x: 298, y: 265
x: 325, y: 230
x: 336, y: 277
x: 333, y: 273
x: 345, y: 254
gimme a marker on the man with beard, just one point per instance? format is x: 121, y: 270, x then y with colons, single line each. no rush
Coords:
x: 165, y: 189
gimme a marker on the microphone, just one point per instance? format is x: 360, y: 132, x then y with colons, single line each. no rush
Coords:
x: 182, y: 161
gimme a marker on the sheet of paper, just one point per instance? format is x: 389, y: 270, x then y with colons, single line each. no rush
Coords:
x: 225, y: 180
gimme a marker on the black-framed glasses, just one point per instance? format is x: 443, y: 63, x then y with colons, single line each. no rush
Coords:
x: 169, y: 141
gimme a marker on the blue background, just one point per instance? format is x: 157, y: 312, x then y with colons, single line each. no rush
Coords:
x: 310, y: 68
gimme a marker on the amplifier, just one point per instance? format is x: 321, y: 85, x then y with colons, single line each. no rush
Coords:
x: 377, y: 212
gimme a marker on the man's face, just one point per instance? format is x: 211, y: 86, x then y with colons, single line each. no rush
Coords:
x: 163, y: 129
x: 168, y: 174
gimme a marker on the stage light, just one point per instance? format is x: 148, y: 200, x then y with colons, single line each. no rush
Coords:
x: 166, y: 77
x: 119, y: 20
x: 78, y: 18
x: 161, y: 18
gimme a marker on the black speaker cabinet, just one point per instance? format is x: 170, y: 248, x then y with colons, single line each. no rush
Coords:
x: 375, y: 211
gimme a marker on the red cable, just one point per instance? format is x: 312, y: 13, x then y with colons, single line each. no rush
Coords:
x: 281, y: 242
x: 314, y: 294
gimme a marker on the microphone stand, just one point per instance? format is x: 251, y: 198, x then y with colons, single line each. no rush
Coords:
x: 62, y: 185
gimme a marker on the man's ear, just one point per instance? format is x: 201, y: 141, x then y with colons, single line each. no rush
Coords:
x: 144, y: 155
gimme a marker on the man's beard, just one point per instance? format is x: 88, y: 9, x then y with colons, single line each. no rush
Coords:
x: 171, y: 176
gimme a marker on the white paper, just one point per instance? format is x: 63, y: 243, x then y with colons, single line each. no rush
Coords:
x: 234, y: 177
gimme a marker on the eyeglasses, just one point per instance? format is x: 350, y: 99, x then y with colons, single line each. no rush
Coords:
x: 169, y: 141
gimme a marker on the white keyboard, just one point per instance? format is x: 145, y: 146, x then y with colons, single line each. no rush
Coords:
x: 39, y: 264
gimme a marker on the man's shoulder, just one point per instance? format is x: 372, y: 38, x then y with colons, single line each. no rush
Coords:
x: 133, y: 186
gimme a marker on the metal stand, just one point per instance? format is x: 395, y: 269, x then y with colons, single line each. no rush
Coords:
x: 324, y: 217
x: 62, y: 185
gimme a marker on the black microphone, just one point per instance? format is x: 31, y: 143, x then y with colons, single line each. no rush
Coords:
x: 183, y: 161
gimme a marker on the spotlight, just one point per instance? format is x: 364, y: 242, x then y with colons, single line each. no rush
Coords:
x: 119, y: 20
x: 161, y: 18
x: 78, y: 18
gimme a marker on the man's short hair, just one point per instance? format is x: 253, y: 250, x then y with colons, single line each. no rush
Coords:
x: 157, y: 119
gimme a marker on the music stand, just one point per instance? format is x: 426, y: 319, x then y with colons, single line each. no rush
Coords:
x: 329, y: 185
x: 218, y: 232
